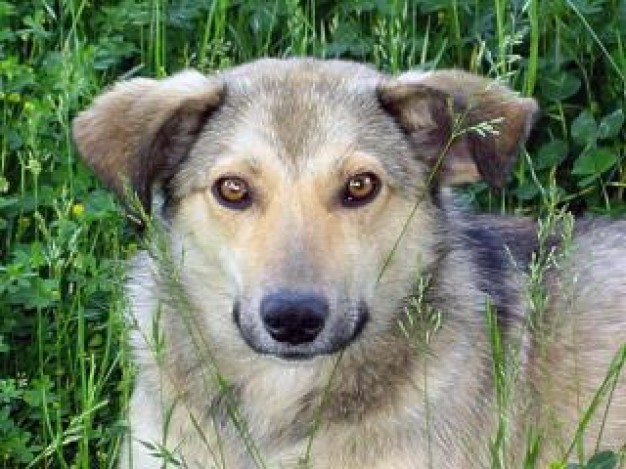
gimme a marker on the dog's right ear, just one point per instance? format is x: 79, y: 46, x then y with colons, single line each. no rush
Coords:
x: 139, y: 131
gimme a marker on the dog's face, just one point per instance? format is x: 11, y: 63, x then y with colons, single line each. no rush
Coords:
x: 292, y: 185
x: 304, y: 192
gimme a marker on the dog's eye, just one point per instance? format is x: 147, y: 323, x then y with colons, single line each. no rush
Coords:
x: 360, y: 189
x: 233, y: 192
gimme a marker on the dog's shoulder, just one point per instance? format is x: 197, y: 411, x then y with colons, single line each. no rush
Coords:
x: 601, y: 232
x: 499, y: 241
x: 597, y: 257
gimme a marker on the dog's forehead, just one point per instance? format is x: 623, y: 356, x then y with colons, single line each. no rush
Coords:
x: 299, y: 110
x: 300, y: 105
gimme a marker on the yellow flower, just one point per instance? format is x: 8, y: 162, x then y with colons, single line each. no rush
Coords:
x: 78, y: 210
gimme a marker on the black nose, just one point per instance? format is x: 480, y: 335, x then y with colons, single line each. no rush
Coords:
x: 294, y: 317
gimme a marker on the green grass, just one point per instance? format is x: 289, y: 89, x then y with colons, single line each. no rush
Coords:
x: 65, y: 373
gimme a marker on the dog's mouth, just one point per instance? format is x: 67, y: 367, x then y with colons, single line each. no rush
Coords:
x: 299, y: 327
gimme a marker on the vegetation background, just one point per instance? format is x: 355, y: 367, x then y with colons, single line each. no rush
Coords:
x: 65, y: 374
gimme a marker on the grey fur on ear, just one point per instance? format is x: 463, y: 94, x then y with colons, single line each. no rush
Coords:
x: 137, y: 132
x: 479, y: 124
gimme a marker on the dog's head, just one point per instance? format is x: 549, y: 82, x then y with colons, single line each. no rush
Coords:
x: 301, y: 191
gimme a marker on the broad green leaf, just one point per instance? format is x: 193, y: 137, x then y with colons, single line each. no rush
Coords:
x: 584, y: 128
x: 587, y: 180
x: 594, y: 162
x: 551, y: 154
x: 611, y: 124
x: 526, y: 191
x: 560, y: 85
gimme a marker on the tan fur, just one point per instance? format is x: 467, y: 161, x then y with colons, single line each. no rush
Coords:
x: 414, y: 388
x: 585, y: 332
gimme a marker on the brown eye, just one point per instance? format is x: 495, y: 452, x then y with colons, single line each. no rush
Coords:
x: 232, y: 192
x: 360, y: 189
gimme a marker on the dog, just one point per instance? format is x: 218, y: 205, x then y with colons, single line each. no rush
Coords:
x: 315, y: 297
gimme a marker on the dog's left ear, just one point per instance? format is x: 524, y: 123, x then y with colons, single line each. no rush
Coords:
x: 137, y: 133
x: 467, y: 127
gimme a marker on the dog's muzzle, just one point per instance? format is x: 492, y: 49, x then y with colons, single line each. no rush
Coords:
x: 293, y: 324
